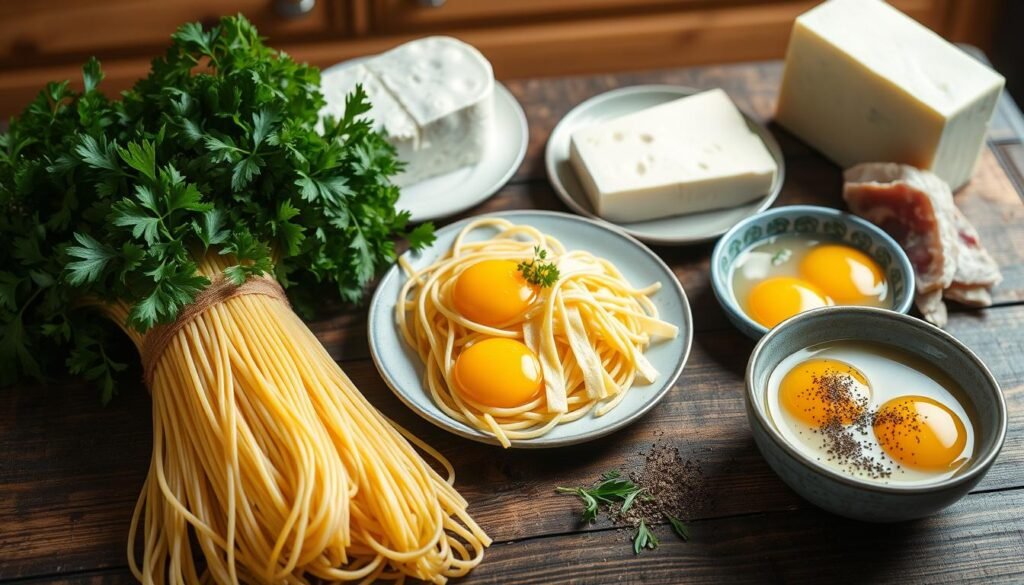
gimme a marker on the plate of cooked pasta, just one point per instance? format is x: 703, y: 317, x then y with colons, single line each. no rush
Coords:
x: 530, y: 329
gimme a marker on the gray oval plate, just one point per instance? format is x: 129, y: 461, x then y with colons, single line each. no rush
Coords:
x: 402, y: 370
x: 680, y: 229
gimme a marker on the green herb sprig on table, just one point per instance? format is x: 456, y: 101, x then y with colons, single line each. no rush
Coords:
x: 539, y: 271
x: 644, y: 538
x: 679, y: 527
x: 216, y: 152
x: 614, y: 488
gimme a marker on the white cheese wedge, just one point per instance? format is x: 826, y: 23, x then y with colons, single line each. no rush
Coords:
x: 692, y: 154
x: 863, y: 82
x: 433, y: 98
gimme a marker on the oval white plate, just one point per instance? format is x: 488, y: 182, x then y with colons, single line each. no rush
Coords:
x: 402, y: 370
x: 457, y: 191
x: 679, y: 229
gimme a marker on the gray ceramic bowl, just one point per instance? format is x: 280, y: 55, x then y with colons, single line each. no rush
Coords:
x: 857, y: 498
x: 821, y: 223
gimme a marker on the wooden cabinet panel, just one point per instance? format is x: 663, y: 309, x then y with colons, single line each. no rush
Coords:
x: 409, y: 15
x: 420, y: 16
x: 696, y: 32
x: 735, y: 32
x: 45, y: 28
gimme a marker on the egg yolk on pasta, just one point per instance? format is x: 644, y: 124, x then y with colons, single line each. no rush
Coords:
x: 845, y: 274
x: 492, y: 292
x: 820, y: 391
x: 774, y: 300
x: 921, y: 432
x: 498, y: 372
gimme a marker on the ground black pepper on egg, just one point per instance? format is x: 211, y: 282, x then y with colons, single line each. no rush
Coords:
x: 840, y: 440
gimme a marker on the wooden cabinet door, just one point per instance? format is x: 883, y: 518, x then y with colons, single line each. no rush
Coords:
x: 42, y: 29
x: 424, y: 15
x: 404, y: 16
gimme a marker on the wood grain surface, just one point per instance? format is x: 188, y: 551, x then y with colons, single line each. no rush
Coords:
x: 70, y: 470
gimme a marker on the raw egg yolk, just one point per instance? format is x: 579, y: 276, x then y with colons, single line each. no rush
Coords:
x: 492, y: 292
x: 774, y: 300
x: 845, y: 274
x: 822, y: 391
x: 921, y: 433
x: 498, y: 372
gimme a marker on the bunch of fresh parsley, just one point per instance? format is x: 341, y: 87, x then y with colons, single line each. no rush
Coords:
x: 216, y: 151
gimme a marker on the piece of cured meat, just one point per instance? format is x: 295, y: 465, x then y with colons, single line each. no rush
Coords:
x: 973, y: 296
x: 932, y: 308
x: 916, y: 208
x: 975, y: 267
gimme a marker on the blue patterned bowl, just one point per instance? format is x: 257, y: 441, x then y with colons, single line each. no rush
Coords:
x: 819, y: 223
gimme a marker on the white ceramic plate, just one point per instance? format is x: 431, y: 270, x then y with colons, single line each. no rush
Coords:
x: 402, y: 370
x: 457, y: 191
x: 680, y: 229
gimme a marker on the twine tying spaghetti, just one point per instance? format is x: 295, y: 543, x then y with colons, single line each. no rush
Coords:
x: 220, y: 290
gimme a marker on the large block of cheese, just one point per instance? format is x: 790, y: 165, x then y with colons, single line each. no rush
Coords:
x: 433, y: 99
x: 865, y: 83
x: 688, y: 155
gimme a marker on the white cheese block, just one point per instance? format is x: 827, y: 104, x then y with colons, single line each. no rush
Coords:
x: 692, y: 154
x: 388, y: 115
x: 433, y: 99
x: 863, y: 82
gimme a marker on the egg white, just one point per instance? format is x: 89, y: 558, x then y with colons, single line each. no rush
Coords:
x: 891, y: 373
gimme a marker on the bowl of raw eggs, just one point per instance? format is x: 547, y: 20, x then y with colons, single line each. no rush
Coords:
x: 791, y: 259
x: 871, y: 414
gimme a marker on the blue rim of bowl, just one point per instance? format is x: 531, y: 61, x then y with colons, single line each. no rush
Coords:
x: 721, y: 284
x: 448, y: 424
x: 755, y: 126
x: 978, y: 467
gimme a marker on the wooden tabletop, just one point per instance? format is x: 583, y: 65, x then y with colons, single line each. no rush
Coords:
x: 70, y: 470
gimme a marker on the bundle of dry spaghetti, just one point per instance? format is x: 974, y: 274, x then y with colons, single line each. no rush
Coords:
x: 588, y: 328
x: 267, y: 457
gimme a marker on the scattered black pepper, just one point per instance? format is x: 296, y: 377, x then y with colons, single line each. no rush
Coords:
x: 673, y: 487
x: 667, y: 489
x: 844, y: 421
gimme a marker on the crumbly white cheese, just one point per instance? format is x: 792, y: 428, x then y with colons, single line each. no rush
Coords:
x: 433, y: 99
x: 865, y: 83
x: 688, y: 155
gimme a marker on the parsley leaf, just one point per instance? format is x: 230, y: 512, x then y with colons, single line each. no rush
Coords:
x: 91, y: 257
x: 98, y: 153
x: 91, y: 74
x: 141, y: 156
x: 538, y: 271
x: 128, y: 213
x: 421, y: 236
